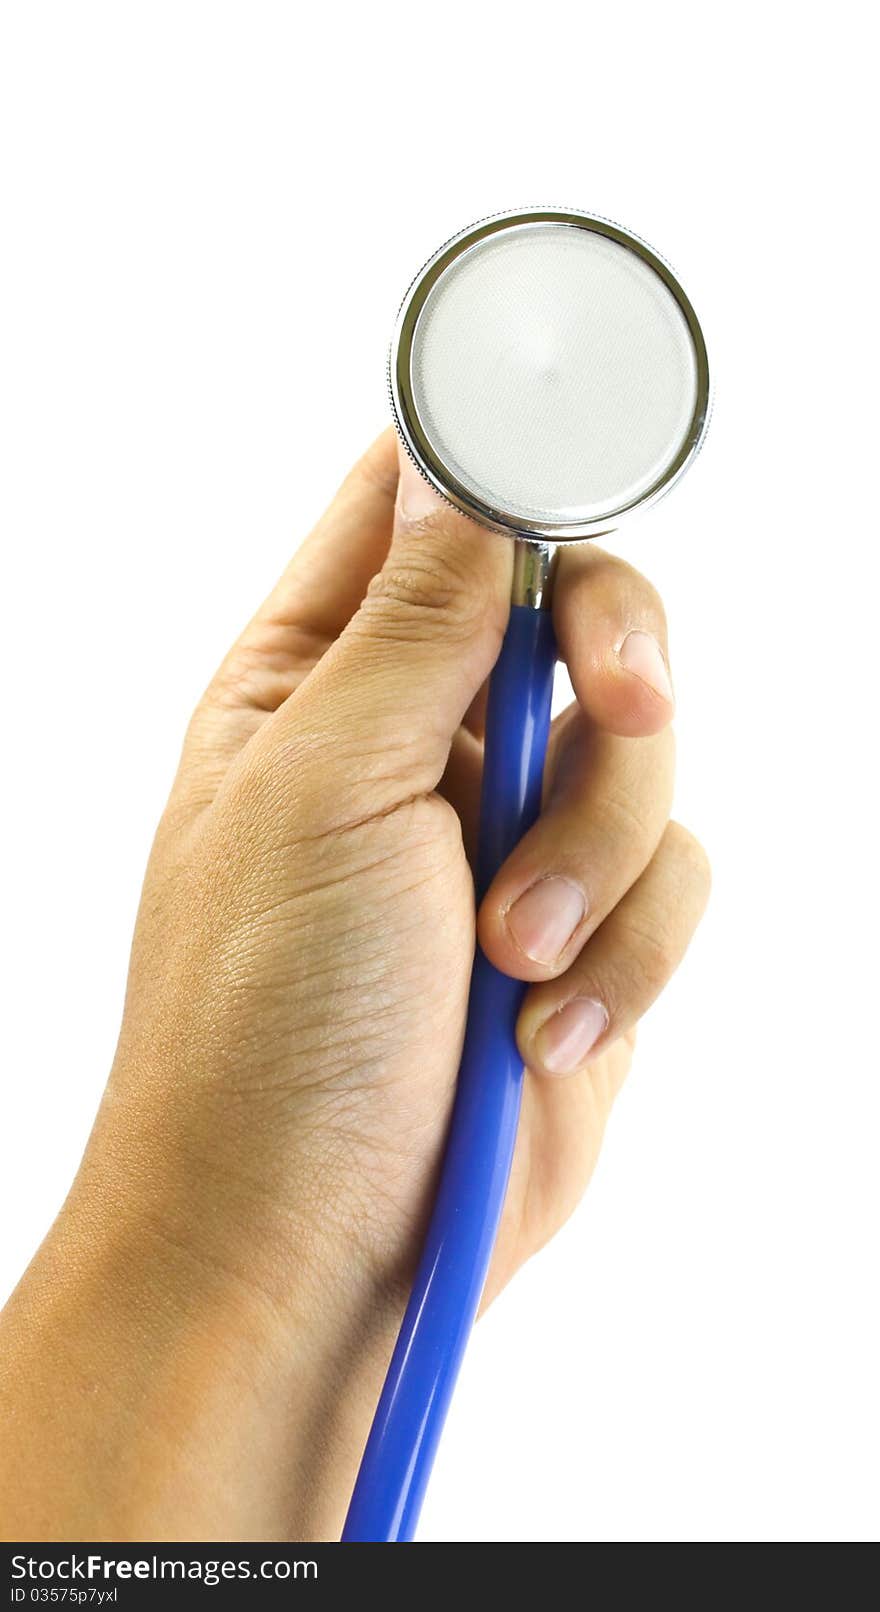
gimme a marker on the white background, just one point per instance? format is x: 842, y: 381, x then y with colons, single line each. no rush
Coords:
x: 209, y: 213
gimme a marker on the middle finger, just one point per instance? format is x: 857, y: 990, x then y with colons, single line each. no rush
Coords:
x: 607, y: 807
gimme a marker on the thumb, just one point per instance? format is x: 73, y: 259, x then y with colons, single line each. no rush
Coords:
x: 389, y: 695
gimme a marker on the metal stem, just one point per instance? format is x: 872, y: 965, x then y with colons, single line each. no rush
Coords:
x: 534, y: 568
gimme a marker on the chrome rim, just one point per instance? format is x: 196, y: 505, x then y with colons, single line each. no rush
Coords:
x: 406, y: 415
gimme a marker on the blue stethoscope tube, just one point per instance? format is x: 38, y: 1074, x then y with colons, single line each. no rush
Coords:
x: 449, y: 1282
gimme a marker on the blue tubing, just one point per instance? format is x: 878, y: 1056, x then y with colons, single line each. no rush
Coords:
x: 427, y: 1357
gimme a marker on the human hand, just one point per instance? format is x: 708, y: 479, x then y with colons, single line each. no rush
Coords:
x: 298, y: 987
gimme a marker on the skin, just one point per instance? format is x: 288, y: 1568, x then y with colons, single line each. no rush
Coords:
x: 197, y: 1348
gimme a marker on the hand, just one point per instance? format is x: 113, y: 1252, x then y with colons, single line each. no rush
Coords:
x: 251, y: 1204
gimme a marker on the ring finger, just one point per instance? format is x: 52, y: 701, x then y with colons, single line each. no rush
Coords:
x: 623, y: 967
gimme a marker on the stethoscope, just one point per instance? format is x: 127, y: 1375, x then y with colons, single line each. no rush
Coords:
x: 548, y: 377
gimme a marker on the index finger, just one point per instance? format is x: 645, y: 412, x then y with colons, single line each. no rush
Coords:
x: 611, y: 630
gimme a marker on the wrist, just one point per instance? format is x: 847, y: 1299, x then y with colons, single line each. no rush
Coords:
x: 208, y: 1358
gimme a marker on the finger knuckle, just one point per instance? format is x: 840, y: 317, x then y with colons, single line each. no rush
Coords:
x: 247, y: 681
x: 638, y: 792
x: 653, y: 953
x: 651, y: 602
x: 622, y: 581
x: 428, y: 589
x: 413, y: 590
x: 692, y: 859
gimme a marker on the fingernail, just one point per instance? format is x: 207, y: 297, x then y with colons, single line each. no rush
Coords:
x: 543, y: 920
x: 416, y: 497
x: 640, y: 653
x: 564, y: 1041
